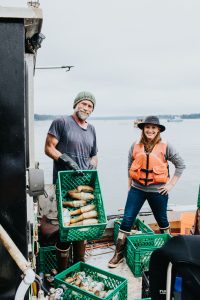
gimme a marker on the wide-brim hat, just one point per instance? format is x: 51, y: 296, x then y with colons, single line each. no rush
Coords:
x: 152, y: 120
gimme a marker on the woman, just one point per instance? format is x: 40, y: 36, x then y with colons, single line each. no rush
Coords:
x: 148, y: 180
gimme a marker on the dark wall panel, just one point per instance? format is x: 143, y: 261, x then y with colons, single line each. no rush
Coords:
x: 12, y: 150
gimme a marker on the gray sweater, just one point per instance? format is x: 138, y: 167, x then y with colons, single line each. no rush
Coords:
x: 171, y: 155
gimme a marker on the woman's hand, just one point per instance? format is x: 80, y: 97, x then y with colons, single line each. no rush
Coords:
x: 164, y: 190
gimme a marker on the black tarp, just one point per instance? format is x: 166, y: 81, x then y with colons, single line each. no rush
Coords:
x: 184, y: 254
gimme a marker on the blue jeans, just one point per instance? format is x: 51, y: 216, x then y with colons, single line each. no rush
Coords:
x: 134, y: 203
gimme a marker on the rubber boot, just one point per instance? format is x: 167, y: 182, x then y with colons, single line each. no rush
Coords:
x: 79, y: 251
x: 63, y: 255
x: 119, y: 256
x: 165, y: 230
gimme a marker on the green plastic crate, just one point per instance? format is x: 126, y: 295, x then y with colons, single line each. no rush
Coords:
x: 139, y: 249
x: 69, y: 180
x: 111, y: 281
x: 198, y: 199
x: 47, y: 259
x: 138, y: 224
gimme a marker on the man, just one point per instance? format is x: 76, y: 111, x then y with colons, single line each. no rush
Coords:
x: 71, y: 143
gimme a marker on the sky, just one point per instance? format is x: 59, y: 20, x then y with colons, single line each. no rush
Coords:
x: 138, y: 57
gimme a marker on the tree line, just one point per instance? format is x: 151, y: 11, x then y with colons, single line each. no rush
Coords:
x: 39, y: 117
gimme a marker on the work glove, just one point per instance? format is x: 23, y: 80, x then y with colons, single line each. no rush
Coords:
x: 69, y: 163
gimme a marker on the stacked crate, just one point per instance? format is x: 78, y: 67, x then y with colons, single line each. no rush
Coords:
x: 139, y: 249
x: 139, y: 225
x: 47, y: 259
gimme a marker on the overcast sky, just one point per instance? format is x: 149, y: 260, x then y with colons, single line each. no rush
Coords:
x: 137, y: 57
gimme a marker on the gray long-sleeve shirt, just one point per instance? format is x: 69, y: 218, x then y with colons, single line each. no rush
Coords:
x: 171, y: 155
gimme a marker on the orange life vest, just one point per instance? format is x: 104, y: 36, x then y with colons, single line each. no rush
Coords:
x: 149, y: 168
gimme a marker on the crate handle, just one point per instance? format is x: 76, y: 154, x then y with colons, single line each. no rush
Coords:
x: 83, y: 229
x: 102, y: 276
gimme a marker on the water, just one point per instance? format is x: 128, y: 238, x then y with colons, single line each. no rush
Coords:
x: 114, y: 140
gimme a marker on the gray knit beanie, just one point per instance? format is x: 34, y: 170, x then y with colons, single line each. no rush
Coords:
x: 84, y: 96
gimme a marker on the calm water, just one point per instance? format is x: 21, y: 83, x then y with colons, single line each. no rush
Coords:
x: 114, y: 139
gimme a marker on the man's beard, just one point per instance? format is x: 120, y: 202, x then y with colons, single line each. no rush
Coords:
x: 82, y: 115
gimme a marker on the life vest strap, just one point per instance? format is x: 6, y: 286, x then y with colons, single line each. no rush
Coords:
x: 146, y: 179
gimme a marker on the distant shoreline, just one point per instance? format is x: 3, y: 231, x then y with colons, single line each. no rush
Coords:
x: 38, y: 117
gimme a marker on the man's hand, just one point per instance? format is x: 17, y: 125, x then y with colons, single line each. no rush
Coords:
x: 93, y: 163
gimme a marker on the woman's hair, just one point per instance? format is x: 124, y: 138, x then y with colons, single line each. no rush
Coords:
x: 148, y: 145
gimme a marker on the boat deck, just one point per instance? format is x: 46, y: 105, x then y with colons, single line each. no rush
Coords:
x: 99, y: 258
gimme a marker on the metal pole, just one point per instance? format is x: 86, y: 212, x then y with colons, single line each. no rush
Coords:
x: 168, y: 283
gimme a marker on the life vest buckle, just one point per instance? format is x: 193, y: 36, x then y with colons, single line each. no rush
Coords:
x: 147, y: 171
